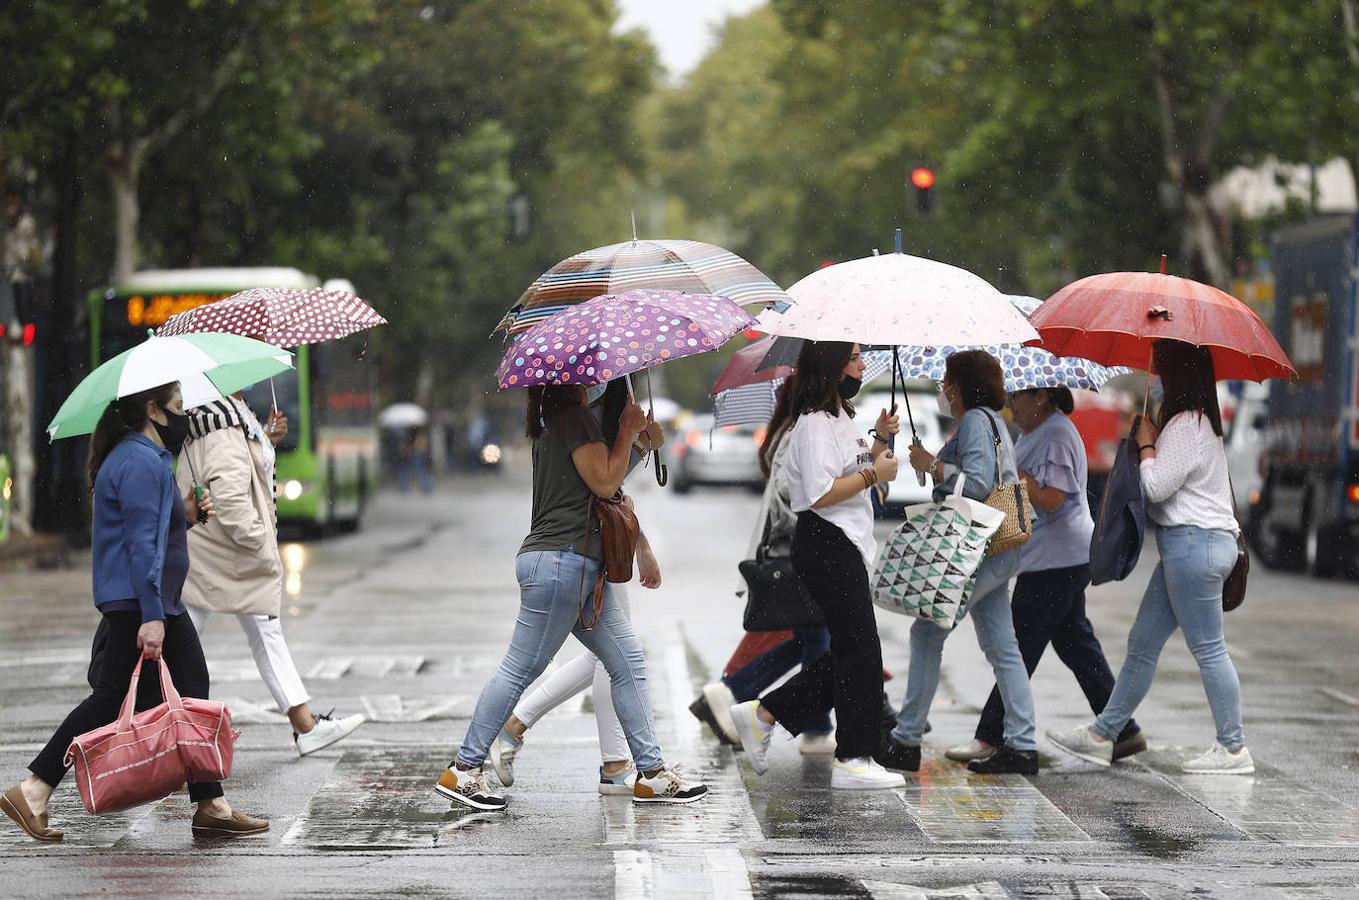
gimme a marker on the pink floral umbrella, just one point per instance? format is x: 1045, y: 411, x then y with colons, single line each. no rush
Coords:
x: 613, y: 336
x: 284, y: 317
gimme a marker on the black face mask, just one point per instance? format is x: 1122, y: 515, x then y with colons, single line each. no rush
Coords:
x: 174, y: 432
x: 849, y: 387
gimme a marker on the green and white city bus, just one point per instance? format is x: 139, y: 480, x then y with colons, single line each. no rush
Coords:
x: 328, y: 463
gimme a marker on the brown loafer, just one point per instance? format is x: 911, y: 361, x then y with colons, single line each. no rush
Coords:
x: 1130, y: 746
x: 237, y: 825
x: 35, y: 826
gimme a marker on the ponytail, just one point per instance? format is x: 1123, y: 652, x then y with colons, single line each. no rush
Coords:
x: 121, y: 418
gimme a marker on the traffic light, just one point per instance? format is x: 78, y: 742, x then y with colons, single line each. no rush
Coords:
x: 923, y: 179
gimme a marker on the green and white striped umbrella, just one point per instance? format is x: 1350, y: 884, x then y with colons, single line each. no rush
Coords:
x: 207, y: 366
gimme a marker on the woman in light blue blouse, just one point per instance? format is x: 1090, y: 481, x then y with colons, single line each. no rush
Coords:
x: 973, y: 392
x: 1054, y: 569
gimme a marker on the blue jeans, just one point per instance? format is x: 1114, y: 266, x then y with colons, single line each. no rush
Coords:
x: 989, y: 607
x: 1185, y: 592
x: 549, y: 609
x: 758, y: 675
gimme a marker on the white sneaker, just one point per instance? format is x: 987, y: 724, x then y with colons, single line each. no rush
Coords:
x: 325, y: 732
x: 1221, y: 761
x: 620, y: 784
x: 969, y: 752
x: 863, y: 774
x: 1081, y: 741
x: 502, y: 753
x: 809, y: 743
x: 720, y: 701
x: 753, y: 734
x: 667, y: 786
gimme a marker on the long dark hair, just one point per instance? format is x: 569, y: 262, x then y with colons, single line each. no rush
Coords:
x: 545, y: 401
x: 819, y: 369
x: 782, y: 418
x: 1188, y: 381
x: 123, y: 417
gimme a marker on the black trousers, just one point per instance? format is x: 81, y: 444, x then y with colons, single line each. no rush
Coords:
x: 1049, y: 608
x: 112, y: 658
x: 848, y: 677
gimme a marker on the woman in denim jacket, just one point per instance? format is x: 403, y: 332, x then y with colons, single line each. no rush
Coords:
x: 973, y: 392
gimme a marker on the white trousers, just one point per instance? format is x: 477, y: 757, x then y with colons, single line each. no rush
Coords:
x: 574, y: 676
x: 272, y: 657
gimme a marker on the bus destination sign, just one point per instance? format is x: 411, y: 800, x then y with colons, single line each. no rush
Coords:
x: 152, y: 310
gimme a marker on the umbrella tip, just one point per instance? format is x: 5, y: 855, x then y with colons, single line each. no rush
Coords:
x: 633, y: 214
x: 1163, y: 263
x: 898, y: 240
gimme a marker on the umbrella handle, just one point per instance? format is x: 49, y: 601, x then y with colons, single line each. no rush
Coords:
x: 915, y: 437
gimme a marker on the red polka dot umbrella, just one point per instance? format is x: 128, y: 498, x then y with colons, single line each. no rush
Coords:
x: 612, y: 336
x: 284, y: 317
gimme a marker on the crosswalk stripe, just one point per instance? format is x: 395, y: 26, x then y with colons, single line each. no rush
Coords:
x: 727, y: 874
x: 953, y: 806
x: 633, y: 878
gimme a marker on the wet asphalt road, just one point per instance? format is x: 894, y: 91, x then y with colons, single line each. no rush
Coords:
x: 405, y: 620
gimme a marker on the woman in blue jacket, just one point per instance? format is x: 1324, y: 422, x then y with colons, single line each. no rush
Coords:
x: 973, y: 393
x: 140, y: 558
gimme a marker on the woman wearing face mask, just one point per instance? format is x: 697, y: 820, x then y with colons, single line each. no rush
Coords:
x: 831, y: 468
x: 617, y: 774
x: 1054, y: 569
x: 236, y: 565
x: 140, y: 555
x: 973, y: 392
x: 556, y: 567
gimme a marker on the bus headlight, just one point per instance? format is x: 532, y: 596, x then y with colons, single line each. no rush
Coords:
x: 490, y: 455
x: 292, y: 490
x: 8, y: 488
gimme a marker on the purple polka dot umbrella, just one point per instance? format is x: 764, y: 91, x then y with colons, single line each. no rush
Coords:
x: 284, y: 317
x: 612, y: 336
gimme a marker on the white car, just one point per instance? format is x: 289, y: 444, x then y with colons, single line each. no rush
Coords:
x: 932, y: 428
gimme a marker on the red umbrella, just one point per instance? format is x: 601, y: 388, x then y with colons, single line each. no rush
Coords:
x: 1115, y: 318
x: 284, y: 317
x: 741, y: 369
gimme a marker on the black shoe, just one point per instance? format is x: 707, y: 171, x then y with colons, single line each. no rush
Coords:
x: 704, y: 713
x: 1131, y: 745
x: 1006, y: 760
x: 896, y: 755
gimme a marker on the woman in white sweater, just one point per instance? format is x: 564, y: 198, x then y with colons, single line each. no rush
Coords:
x: 1184, y: 476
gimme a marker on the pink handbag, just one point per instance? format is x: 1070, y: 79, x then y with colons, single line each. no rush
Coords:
x: 145, y: 757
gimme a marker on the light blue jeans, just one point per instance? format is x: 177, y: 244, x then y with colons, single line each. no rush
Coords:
x: 1185, y: 592
x: 989, y: 607
x: 549, y: 607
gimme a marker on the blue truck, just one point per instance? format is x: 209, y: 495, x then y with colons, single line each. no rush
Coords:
x: 1307, y: 514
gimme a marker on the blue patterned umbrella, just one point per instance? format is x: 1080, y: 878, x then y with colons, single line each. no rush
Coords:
x: 1025, y: 368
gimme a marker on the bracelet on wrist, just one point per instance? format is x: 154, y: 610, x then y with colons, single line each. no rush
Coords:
x: 875, y: 435
x: 1146, y: 447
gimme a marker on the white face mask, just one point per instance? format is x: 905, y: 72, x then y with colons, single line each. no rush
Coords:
x: 594, y: 392
x: 945, y: 407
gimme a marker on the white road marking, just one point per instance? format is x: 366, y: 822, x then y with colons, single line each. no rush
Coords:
x: 633, y: 877
x: 727, y: 874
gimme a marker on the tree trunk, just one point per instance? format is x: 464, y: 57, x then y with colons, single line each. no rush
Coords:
x: 18, y: 384
x: 125, y: 168
x: 1201, y: 242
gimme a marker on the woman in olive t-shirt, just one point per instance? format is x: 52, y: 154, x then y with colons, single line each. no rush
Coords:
x: 557, y: 563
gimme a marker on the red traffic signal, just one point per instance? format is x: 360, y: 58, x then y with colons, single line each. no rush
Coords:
x: 923, y: 178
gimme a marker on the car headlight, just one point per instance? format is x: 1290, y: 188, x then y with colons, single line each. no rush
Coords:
x: 292, y: 489
x: 8, y: 488
x: 490, y: 454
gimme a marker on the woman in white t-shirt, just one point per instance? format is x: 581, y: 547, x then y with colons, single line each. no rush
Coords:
x: 1184, y: 476
x: 831, y: 467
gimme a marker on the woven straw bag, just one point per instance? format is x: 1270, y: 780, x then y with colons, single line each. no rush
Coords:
x: 1013, y: 500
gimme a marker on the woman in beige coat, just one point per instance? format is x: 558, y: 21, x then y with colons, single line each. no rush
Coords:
x: 235, y: 566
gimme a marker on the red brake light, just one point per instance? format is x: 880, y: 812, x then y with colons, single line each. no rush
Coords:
x: 1352, y: 493
x: 693, y: 437
x: 760, y: 435
x: 30, y: 334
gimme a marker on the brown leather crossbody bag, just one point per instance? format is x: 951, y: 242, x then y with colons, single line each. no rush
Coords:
x: 619, y: 532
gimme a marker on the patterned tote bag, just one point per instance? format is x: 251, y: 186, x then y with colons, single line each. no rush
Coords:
x: 928, y: 565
